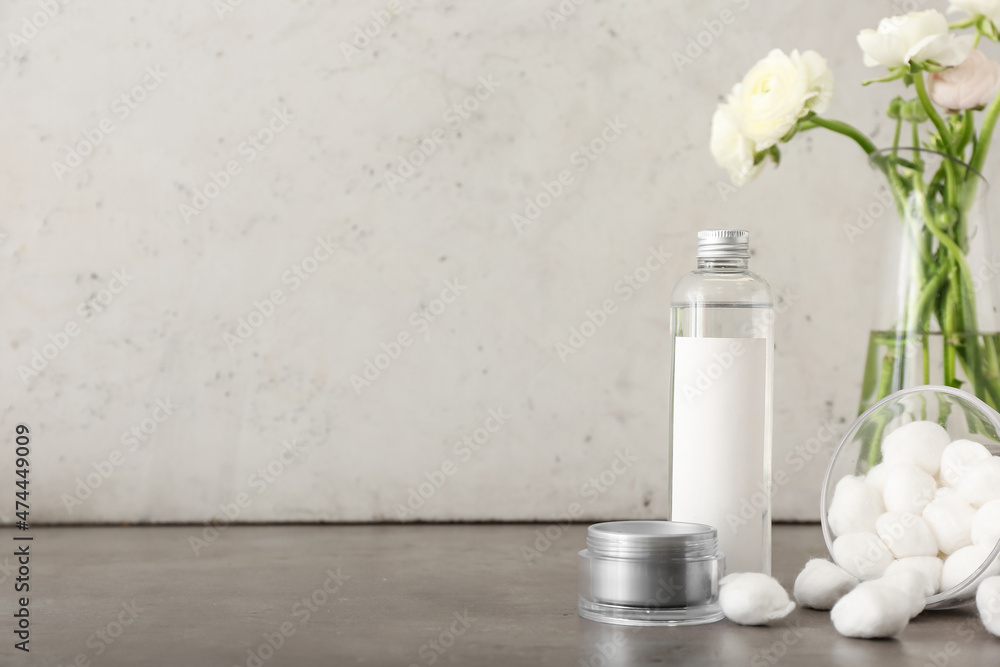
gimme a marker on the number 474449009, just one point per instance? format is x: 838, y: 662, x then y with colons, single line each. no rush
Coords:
x: 21, y: 466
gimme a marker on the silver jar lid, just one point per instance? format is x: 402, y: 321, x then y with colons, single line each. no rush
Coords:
x: 723, y: 243
x: 650, y: 539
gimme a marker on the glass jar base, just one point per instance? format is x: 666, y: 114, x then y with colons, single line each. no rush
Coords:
x: 647, y: 616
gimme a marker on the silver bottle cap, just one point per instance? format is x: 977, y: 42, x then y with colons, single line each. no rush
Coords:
x: 724, y: 244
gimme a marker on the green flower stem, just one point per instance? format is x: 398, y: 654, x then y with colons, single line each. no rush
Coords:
x: 985, y: 134
x: 991, y: 392
x: 847, y: 130
x: 990, y: 380
x: 970, y: 184
x: 885, y: 380
x: 958, y: 257
x: 943, y: 133
x: 968, y: 130
x: 900, y: 194
x: 925, y: 101
x: 970, y: 330
x: 927, y: 355
x: 959, y: 314
x: 954, y: 250
x: 930, y: 290
x: 960, y: 306
x: 967, y: 23
x: 947, y: 326
x: 992, y: 365
x: 960, y: 228
x: 950, y: 191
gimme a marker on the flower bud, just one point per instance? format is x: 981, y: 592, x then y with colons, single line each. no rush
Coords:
x: 895, y: 107
x: 971, y: 84
x: 913, y: 112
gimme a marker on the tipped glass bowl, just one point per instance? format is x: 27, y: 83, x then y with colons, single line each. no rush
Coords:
x: 960, y: 413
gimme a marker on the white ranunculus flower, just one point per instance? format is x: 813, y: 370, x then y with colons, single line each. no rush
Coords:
x: 972, y: 84
x: 778, y: 91
x: 914, y: 38
x: 820, y: 81
x: 732, y: 150
x: 988, y: 8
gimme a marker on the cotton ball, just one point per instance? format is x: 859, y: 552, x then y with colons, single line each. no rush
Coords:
x: 958, y: 457
x: 855, y: 507
x: 906, y: 535
x: 821, y: 583
x: 986, y: 525
x: 944, y: 491
x: 875, y: 477
x: 988, y: 602
x: 916, y: 443
x: 751, y: 598
x: 965, y: 562
x: 870, y: 611
x: 863, y: 555
x: 910, y: 585
x: 981, y: 483
x: 950, y: 519
x: 928, y: 567
x: 908, y: 489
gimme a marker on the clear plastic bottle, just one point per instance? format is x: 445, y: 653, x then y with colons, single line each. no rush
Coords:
x: 722, y: 319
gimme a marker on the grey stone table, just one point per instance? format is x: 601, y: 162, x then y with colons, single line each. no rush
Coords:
x: 395, y: 595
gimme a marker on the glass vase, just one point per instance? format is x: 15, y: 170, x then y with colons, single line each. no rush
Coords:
x: 936, y: 318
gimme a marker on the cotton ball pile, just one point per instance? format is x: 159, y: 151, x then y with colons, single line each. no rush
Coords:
x: 988, y: 603
x: 919, y: 523
x: 821, y: 584
x: 934, y: 499
x: 751, y: 598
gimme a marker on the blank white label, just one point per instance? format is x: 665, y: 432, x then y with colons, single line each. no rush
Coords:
x: 719, y: 443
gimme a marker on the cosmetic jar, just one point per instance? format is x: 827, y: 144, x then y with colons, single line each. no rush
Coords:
x: 651, y: 573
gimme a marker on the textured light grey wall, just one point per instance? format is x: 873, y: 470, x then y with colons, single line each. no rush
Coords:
x: 202, y: 193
